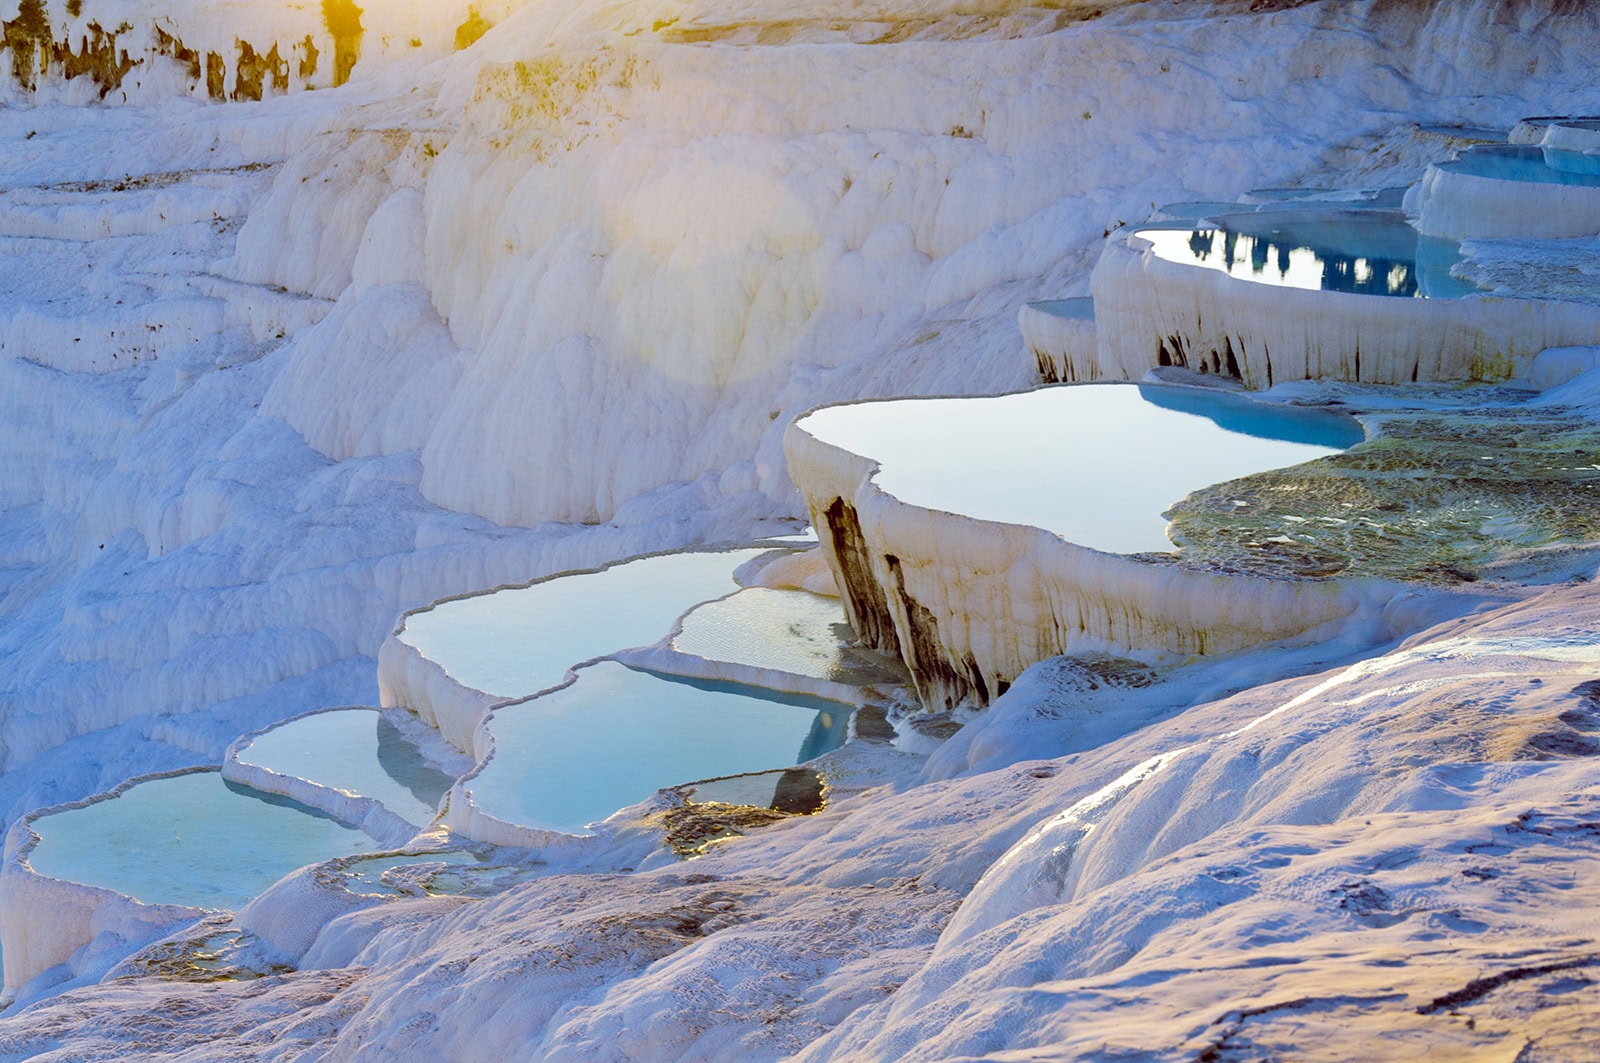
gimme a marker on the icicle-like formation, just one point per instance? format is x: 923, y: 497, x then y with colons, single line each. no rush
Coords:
x: 969, y: 603
x: 1152, y: 312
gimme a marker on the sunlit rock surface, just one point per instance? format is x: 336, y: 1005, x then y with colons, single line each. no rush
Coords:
x: 573, y: 282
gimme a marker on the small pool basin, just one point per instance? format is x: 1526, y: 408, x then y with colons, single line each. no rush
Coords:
x: 1097, y: 464
x: 788, y: 631
x: 516, y: 642
x: 617, y: 735
x: 190, y: 839
x: 356, y: 750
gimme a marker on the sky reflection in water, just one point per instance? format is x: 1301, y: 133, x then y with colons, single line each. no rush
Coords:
x: 1356, y: 252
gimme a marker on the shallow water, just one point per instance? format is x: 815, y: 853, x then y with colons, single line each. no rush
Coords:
x: 1096, y: 464
x: 617, y: 735
x: 787, y: 631
x: 517, y: 642
x: 1079, y: 309
x: 1361, y: 252
x: 355, y: 750
x: 423, y: 874
x: 192, y: 839
x: 794, y: 790
x: 1529, y: 163
x: 1461, y: 132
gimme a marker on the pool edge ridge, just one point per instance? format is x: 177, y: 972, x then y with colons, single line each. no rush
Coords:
x: 1152, y: 312
x: 968, y: 603
x: 64, y: 916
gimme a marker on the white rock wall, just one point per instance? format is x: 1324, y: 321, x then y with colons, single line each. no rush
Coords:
x: 1151, y: 312
x: 1465, y: 206
x: 1062, y: 347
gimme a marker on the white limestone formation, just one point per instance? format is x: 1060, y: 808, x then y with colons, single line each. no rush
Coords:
x: 1150, y: 311
x: 1524, y: 198
x: 49, y: 923
x: 574, y: 281
x: 969, y: 604
x: 1060, y: 334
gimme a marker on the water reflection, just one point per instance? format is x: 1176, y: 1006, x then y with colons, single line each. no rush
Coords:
x: 1096, y: 464
x: 574, y: 756
x: 1357, y: 252
x: 1245, y: 416
x: 403, y: 762
x: 355, y: 750
x: 1078, y: 309
x: 521, y: 640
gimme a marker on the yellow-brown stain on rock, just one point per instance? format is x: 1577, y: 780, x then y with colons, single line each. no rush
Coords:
x: 35, y: 51
x: 28, y: 38
x: 343, y: 19
x: 468, y: 32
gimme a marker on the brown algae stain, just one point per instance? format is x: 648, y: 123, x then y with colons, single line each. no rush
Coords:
x: 692, y: 829
x: 694, y: 826
x: 35, y: 52
x: 1432, y: 498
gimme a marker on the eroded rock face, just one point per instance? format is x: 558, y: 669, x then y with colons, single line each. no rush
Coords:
x: 37, y: 53
x: 1153, y: 311
x: 221, y: 52
x: 866, y: 602
x: 50, y: 39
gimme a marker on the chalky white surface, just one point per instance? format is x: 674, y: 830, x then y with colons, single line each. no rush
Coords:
x: 566, y: 312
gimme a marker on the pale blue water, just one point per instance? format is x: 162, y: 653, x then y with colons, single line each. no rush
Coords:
x: 355, y: 750
x: 1361, y: 252
x: 574, y: 756
x: 1529, y: 163
x: 1304, y: 201
x: 1079, y: 309
x: 789, y: 631
x: 193, y: 839
x: 1097, y: 464
x: 383, y: 875
x: 517, y: 642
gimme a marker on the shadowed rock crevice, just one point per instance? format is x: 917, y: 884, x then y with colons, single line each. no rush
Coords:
x: 1479, y: 988
x: 866, y: 604
x: 938, y: 681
